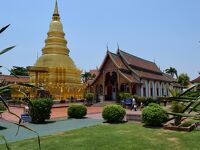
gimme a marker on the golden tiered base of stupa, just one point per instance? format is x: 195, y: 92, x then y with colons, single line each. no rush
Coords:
x: 55, y: 71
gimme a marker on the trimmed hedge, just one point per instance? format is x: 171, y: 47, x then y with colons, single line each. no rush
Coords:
x: 113, y: 113
x: 154, y: 115
x: 40, y: 109
x: 77, y: 111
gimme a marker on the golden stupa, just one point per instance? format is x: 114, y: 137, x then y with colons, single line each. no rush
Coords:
x: 55, y: 71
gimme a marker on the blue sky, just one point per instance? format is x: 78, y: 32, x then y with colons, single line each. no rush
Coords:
x: 167, y: 31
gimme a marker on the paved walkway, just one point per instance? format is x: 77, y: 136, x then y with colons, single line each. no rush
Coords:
x: 57, y: 123
x: 59, y: 112
x: 8, y: 129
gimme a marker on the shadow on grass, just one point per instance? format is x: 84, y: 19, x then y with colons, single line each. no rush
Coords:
x: 2, y: 128
x: 122, y: 122
x: 153, y: 127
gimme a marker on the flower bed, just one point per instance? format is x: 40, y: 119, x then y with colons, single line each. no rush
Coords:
x: 171, y: 126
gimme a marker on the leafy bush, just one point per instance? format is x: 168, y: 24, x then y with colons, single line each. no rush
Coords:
x: 123, y: 95
x: 177, y: 107
x: 77, y: 111
x: 188, y: 123
x: 89, y: 98
x: 154, y: 115
x: 2, y: 107
x: 139, y: 100
x: 113, y: 113
x: 149, y: 100
x: 40, y: 109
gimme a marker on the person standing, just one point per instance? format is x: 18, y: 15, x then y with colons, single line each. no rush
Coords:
x: 134, y: 104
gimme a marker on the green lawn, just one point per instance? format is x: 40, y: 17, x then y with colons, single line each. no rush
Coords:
x: 128, y: 136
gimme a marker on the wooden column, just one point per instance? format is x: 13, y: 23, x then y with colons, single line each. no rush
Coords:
x: 118, y: 81
x: 130, y: 88
x: 103, y: 85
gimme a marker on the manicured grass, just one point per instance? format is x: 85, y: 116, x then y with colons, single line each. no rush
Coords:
x: 128, y: 136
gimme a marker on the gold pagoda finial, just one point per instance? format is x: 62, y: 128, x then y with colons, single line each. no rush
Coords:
x: 56, y: 16
x: 56, y: 8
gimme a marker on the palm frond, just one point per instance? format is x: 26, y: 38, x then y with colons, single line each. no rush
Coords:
x: 4, y: 28
x: 5, y: 141
x: 6, y: 49
x: 183, y: 115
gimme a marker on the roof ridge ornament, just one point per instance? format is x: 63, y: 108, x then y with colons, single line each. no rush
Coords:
x: 107, y: 48
x: 118, y: 46
x: 118, y: 49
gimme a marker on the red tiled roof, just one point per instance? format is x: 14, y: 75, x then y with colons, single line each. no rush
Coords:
x: 170, y: 77
x: 139, y: 62
x: 94, y: 71
x: 197, y: 80
x: 140, y: 68
x: 118, y: 61
x: 129, y: 77
x: 150, y: 75
x: 12, y: 79
x: 174, y: 84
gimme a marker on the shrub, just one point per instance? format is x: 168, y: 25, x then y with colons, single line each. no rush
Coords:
x: 149, y: 100
x: 2, y: 107
x: 113, y: 113
x: 77, y: 111
x: 89, y: 98
x: 123, y: 95
x: 154, y: 115
x: 40, y: 110
x: 188, y: 123
x: 177, y: 107
x: 139, y: 100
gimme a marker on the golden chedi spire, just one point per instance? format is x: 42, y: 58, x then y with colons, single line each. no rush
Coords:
x: 63, y: 78
x: 56, y: 13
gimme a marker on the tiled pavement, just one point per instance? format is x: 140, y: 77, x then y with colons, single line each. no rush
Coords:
x: 58, y: 112
x: 58, y: 123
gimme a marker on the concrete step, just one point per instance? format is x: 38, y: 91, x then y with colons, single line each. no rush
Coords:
x: 133, y: 117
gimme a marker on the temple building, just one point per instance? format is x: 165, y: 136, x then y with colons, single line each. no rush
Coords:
x: 196, y: 80
x: 11, y: 79
x: 124, y: 72
x: 55, y: 71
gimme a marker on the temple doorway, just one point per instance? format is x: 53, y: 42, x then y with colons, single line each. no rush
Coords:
x: 133, y: 90
x: 111, y: 84
x: 109, y: 92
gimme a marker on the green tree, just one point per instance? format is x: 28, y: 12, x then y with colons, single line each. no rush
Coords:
x: 85, y: 76
x: 20, y: 71
x: 183, y: 79
x: 172, y: 71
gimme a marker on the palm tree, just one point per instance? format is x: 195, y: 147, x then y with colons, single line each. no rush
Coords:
x: 172, y: 71
x: 86, y: 76
x: 184, y: 79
